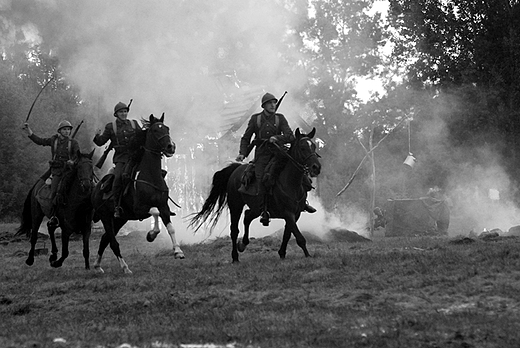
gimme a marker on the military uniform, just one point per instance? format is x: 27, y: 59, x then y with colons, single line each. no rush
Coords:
x: 63, y: 149
x: 269, y: 125
x: 121, y: 133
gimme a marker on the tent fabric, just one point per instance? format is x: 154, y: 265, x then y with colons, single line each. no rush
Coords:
x: 414, y: 217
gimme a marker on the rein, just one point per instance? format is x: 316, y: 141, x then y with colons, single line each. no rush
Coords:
x: 301, y: 167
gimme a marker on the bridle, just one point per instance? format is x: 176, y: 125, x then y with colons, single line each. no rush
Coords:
x: 157, y: 141
x: 300, y: 165
x: 85, y: 182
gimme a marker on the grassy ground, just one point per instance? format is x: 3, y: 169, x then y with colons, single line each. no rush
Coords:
x: 394, y: 292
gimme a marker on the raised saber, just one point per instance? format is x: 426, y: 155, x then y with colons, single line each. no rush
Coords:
x: 35, y: 99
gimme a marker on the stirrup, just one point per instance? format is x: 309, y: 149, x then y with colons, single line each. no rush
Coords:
x: 117, y: 212
x: 53, y: 222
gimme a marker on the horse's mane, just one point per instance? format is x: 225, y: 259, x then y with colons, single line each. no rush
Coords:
x: 136, y: 145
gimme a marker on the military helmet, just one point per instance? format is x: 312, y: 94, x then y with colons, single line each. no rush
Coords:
x: 268, y: 97
x: 64, y: 124
x: 120, y: 106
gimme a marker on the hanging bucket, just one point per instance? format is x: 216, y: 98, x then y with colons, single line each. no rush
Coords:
x: 410, y: 160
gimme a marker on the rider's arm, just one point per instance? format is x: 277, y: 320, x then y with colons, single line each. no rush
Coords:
x: 287, y: 133
x: 248, y: 134
x: 41, y: 141
x: 101, y: 139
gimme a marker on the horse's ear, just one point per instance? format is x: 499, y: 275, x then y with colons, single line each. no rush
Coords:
x: 312, y: 133
x: 151, y: 118
x: 162, y: 118
x: 297, y: 133
x: 91, y: 154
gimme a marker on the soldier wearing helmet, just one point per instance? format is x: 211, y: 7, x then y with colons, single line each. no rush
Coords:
x: 121, y: 133
x: 65, y: 152
x: 268, y: 127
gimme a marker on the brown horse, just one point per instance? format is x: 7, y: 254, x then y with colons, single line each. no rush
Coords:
x: 287, y: 201
x: 74, y: 216
x: 145, y: 196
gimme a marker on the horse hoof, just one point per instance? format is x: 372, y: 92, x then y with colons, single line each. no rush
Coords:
x: 29, y: 262
x: 56, y: 264
x: 127, y: 271
x: 53, y: 258
x: 150, y: 237
x: 99, y: 269
x: 241, y: 246
x: 179, y: 255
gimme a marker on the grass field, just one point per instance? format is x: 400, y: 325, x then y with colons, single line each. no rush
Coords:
x: 393, y: 292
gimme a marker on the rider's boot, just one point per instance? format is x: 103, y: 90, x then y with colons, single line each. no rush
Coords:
x: 53, y: 222
x: 265, y: 217
x: 309, y: 208
x: 118, y: 211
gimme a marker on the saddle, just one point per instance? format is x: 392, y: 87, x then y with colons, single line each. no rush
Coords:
x: 105, y: 185
x: 249, y: 184
x: 43, y: 196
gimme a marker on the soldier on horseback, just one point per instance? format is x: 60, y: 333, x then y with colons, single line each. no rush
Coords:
x: 65, y: 152
x: 270, y: 129
x: 121, y: 133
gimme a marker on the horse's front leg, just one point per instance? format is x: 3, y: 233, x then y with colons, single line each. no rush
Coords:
x: 177, y: 252
x: 291, y: 227
x: 65, y: 237
x: 152, y: 234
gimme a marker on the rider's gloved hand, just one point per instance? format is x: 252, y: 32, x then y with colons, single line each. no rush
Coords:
x: 240, y: 158
x: 273, y: 139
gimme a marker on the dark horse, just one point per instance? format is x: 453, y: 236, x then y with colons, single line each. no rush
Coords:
x: 287, y: 201
x: 146, y: 196
x: 74, y: 216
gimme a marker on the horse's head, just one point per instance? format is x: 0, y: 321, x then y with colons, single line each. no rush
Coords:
x: 304, y: 152
x: 158, y: 137
x: 85, y: 172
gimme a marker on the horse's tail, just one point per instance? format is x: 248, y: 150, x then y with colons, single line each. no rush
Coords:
x: 26, y: 223
x: 217, y: 198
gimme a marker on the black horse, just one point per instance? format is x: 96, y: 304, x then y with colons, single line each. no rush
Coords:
x: 145, y: 196
x: 287, y: 201
x: 75, y: 215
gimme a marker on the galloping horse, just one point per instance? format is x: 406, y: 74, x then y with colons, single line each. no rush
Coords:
x: 287, y: 201
x: 74, y: 216
x: 146, y: 196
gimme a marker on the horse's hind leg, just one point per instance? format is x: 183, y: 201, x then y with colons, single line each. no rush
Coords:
x: 249, y: 216
x: 86, y: 247
x: 235, y: 219
x: 34, y: 238
x: 114, y: 245
x: 103, y: 243
x: 54, y: 248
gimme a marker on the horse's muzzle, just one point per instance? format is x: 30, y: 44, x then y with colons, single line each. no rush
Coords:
x: 169, y: 150
x: 314, y: 169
